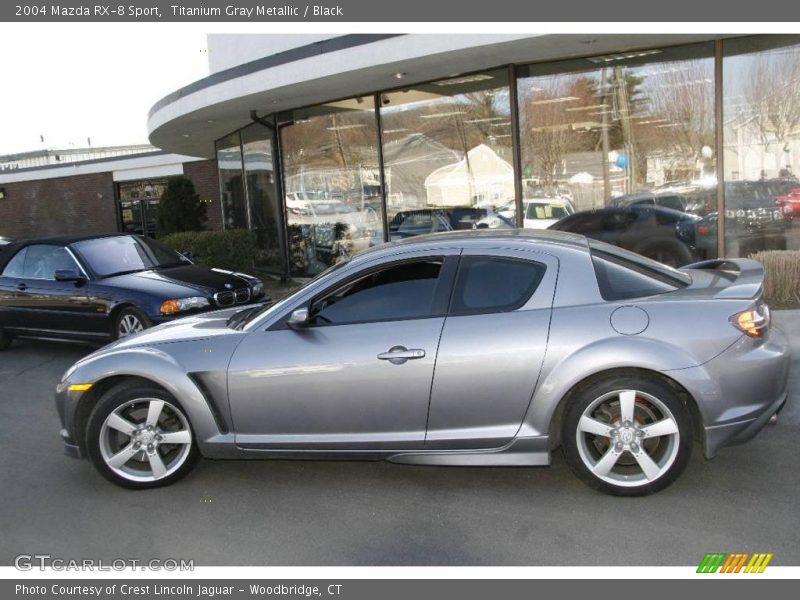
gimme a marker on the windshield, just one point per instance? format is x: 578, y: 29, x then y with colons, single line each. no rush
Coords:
x: 547, y: 211
x: 126, y: 254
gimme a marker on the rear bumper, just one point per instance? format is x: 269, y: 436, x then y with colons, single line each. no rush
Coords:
x: 738, y: 391
x: 738, y: 433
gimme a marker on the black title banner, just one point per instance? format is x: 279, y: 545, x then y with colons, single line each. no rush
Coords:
x: 403, y: 11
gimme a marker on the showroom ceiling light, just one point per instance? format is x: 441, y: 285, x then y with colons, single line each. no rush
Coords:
x: 485, y: 120
x: 342, y: 127
x: 608, y: 58
x: 451, y: 113
x: 555, y: 100
x: 463, y: 80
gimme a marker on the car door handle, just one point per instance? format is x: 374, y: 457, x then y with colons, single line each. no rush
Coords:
x: 399, y: 354
x: 22, y: 287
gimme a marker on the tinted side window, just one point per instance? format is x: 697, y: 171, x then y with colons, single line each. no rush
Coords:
x: 43, y: 261
x: 619, y: 280
x: 14, y: 267
x: 494, y: 284
x: 404, y: 291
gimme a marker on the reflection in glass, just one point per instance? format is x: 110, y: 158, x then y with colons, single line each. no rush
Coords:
x: 263, y: 204
x: 761, y: 99
x: 331, y: 182
x: 621, y: 149
x: 231, y: 185
x: 447, y: 155
x: 138, y: 205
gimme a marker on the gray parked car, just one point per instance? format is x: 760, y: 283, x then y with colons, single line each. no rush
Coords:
x: 481, y: 348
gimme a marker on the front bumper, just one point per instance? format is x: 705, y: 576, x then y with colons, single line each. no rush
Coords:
x: 71, y: 447
x: 66, y: 404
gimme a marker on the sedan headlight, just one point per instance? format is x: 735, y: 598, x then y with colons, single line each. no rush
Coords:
x: 176, y: 305
x: 258, y: 289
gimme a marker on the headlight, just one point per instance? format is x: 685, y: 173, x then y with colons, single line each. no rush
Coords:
x: 258, y: 289
x: 176, y: 305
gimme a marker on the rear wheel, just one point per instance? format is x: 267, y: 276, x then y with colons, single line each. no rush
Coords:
x: 139, y: 437
x: 128, y: 321
x: 627, y: 436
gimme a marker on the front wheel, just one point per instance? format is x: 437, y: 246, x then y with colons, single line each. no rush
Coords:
x: 627, y: 436
x: 139, y: 437
x: 128, y: 321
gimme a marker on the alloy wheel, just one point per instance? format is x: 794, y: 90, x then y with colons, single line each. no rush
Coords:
x: 628, y: 438
x: 145, y: 440
x: 128, y: 325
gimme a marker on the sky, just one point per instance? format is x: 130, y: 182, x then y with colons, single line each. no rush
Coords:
x: 73, y: 82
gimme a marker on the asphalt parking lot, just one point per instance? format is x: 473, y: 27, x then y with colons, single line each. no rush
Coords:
x: 370, y: 513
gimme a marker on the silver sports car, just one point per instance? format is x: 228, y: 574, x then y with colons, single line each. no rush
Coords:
x: 479, y: 348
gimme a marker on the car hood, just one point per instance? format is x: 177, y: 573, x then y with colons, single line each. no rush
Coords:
x: 180, y: 281
x: 200, y: 326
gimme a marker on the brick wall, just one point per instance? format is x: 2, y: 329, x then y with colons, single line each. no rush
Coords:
x: 79, y: 204
x: 86, y: 203
x: 205, y: 176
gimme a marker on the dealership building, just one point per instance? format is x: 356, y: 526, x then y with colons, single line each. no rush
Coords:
x: 327, y: 144
x: 96, y: 190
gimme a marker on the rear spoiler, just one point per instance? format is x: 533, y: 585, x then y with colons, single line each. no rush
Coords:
x: 748, y: 284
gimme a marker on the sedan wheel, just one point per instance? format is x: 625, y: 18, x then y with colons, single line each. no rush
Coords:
x: 139, y: 437
x: 128, y: 322
x: 630, y: 440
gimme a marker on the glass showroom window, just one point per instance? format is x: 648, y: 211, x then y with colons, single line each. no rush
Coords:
x: 621, y: 148
x: 262, y: 199
x: 231, y: 185
x: 331, y: 181
x: 447, y: 155
x: 761, y: 100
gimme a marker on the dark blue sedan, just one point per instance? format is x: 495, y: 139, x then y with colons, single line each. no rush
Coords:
x: 104, y: 287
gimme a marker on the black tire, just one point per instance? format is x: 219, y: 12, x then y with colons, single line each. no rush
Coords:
x: 125, y: 313
x: 5, y: 340
x: 627, y: 476
x: 130, y: 396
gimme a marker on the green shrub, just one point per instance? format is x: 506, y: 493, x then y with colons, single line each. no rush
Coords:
x: 781, y: 276
x: 180, y: 208
x: 233, y: 249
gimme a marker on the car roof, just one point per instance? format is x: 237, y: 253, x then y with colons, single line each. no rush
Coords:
x: 457, y: 239
x: 66, y: 240
x: 8, y: 251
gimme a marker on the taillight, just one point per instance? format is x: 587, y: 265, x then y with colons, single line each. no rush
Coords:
x: 753, y: 321
x: 703, y: 230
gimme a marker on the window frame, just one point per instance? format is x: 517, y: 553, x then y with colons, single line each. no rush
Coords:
x: 441, y: 294
x: 469, y: 258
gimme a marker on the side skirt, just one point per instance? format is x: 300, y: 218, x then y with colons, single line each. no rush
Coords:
x: 520, y: 452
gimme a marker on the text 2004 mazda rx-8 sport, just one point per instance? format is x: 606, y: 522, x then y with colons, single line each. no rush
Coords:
x: 477, y: 348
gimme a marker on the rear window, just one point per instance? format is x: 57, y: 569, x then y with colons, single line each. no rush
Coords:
x: 622, y: 279
x: 487, y: 284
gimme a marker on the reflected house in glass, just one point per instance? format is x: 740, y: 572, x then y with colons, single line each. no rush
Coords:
x: 381, y: 136
x: 481, y: 178
x: 403, y: 158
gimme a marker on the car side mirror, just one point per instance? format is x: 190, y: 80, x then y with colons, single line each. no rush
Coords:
x: 298, y: 319
x: 69, y: 275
